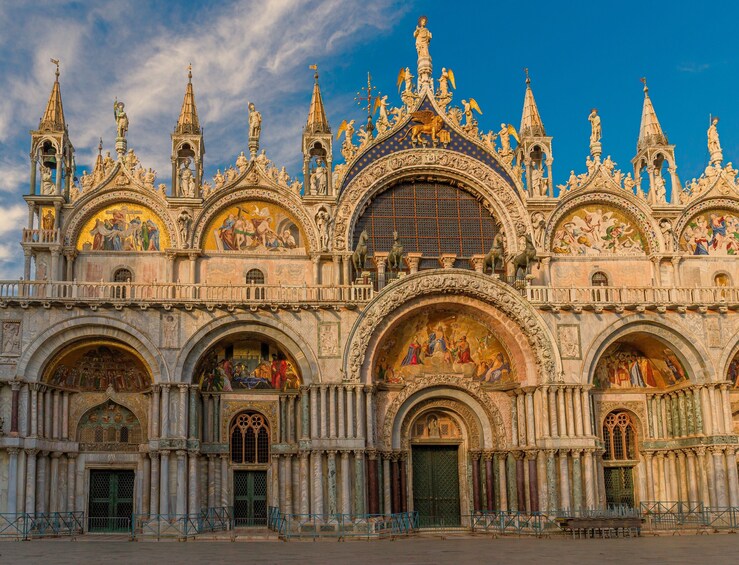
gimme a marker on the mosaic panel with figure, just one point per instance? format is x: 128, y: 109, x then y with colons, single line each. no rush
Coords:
x: 109, y: 426
x: 597, y: 230
x: 254, y: 227
x: 639, y: 362
x: 93, y: 367
x: 247, y: 363
x: 123, y: 227
x: 443, y: 341
x: 715, y: 232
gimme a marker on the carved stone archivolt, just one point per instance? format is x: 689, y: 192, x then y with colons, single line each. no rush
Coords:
x: 282, y: 198
x: 460, y: 411
x: 456, y: 282
x: 702, y: 206
x: 496, y: 195
x: 630, y: 206
x: 80, y: 403
x: 492, y: 412
x: 84, y: 211
x: 234, y: 405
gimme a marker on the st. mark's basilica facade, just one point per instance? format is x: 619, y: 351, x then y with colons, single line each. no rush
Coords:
x: 428, y: 326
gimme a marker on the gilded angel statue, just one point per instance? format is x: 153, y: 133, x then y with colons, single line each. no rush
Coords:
x: 468, y: 107
x: 405, y: 76
x: 446, y: 78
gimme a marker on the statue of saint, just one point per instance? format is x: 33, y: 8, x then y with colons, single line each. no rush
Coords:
x: 714, y: 145
x: 184, y: 220
x: 423, y: 38
x: 242, y: 162
x: 321, y: 179
x: 255, y: 122
x: 505, y: 139
x: 121, y: 119
x: 595, y: 131
x: 187, y: 181
x: 47, y: 185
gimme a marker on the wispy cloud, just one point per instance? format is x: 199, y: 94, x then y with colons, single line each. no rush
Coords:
x: 244, y: 50
x: 692, y: 67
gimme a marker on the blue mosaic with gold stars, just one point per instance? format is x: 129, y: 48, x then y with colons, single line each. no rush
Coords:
x: 399, y: 141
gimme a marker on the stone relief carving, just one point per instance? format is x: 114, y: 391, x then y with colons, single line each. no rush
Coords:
x: 497, y: 196
x: 568, y: 336
x: 461, y: 410
x: 11, y: 338
x: 170, y: 331
x: 462, y: 282
x: 328, y: 339
x: 135, y: 402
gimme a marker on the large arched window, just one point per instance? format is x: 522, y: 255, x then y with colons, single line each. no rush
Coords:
x: 599, y: 279
x: 249, y: 439
x: 619, y: 439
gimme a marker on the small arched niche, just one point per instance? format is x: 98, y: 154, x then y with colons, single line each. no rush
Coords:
x: 639, y: 360
x: 109, y: 427
x: 95, y: 366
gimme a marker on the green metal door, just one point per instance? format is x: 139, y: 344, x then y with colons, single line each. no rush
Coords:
x: 111, y: 501
x: 250, y: 498
x: 619, y: 486
x: 436, y: 485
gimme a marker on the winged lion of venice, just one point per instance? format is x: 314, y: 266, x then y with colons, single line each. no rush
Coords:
x: 427, y: 123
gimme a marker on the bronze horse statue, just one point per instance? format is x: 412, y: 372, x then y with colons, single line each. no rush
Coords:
x: 494, y: 258
x: 360, y: 252
x: 395, y: 257
x: 523, y: 260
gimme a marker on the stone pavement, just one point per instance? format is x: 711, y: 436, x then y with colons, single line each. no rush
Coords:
x: 713, y: 550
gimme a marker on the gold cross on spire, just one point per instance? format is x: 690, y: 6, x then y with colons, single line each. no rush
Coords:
x: 368, y: 97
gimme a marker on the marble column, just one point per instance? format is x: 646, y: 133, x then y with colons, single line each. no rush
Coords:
x: 225, y: 482
x: 672, y: 480
x: 346, y: 502
x: 15, y: 388
x: 211, y: 480
x: 705, y: 496
x: 65, y: 416
x: 520, y: 481
x: 533, y: 481
x: 369, y: 414
x: 56, y: 422
x: 342, y: 423
x: 489, y: 482
x: 564, y: 481
x: 164, y: 482
x: 576, y: 480
x: 530, y: 429
x: 304, y: 483
x: 359, y: 482
x: 543, y: 393
x: 317, y: 482
x: 553, y: 419
x: 502, y: 481
x: 475, y: 460
x: 182, y: 412
x: 682, y: 472
x: 693, y: 497
x: 578, y: 413
x: 181, y: 504
x: 34, y: 408
x: 54, y: 474
x: 719, y: 466
x: 350, y: 423
x: 732, y: 477
x: 331, y: 479
x: 304, y: 413
x: 332, y: 413
x: 164, y: 414
x: 373, y: 483
x: 313, y: 392
x: 47, y: 413
x: 569, y: 412
x: 31, y: 456
x: 154, y: 484
x: 647, y: 458
x: 589, y: 479
x: 707, y: 412
x: 386, y: 485
x: 512, y: 476
x: 403, y: 483
x: 287, y: 484
x: 42, y: 484
x: 71, y: 477
x: 12, y: 504
x: 726, y: 405
x: 561, y: 413
x: 193, y: 415
x: 323, y: 412
x: 358, y: 416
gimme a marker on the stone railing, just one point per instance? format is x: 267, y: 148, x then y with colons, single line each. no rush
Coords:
x: 44, y: 237
x: 209, y: 295
x: 637, y: 298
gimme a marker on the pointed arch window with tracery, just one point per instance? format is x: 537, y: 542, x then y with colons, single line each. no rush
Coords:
x: 249, y: 439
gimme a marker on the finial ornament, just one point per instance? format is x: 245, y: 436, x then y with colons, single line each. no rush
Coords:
x: 56, y: 62
x: 714, y: 145
x: 366, y: 95
x: 644, y: 82
x: 314, y: 67
x: 526, y: 70
x: 189, y: 72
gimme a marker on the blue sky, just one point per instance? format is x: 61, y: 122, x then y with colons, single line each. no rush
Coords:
x: 580, y: 55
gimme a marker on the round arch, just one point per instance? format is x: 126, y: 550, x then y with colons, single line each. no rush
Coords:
x: 690, y: 353
x: 485, y: 414
x: 540, y: 358
x: 281, y: 198
x: 700, y: 207
x: 627, y: 204
x: 52, y: 341
x: 228, y: 325
x: 84, y: 210
x: 497, y: 196
x: 727, y: 355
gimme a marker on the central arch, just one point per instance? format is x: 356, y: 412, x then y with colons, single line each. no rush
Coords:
x: 538, y: 360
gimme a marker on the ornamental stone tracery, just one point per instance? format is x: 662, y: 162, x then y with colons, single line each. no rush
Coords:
x: 470, y: 427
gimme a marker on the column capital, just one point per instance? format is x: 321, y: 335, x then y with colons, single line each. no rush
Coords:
x: 72, y: 455
x: 532, y: 454
x: 31, y: 452
x: 488, y: 455
x: 164, y: 387
x: 717, y: 449
x: 13, y: 450
x: 56, y: 454
x: 576, y: 453
x: 304, y: 455
x: 181, y: 453
x: 153, y: 455
x: 518, y: 454
x: 372, y: 454
x: 183, y: 387
x: 224, y: 456
x: 15, y: 385
x: 358, y: 453
x: 331, y: 452
x: 475, y: 455
x: 550, y: 452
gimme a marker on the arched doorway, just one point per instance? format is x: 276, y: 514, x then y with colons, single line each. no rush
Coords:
x: 249, y: 437
x: 437, y: 450
x: 620, y: 458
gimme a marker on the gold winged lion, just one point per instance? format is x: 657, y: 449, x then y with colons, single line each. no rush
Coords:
x: 428, y: 123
